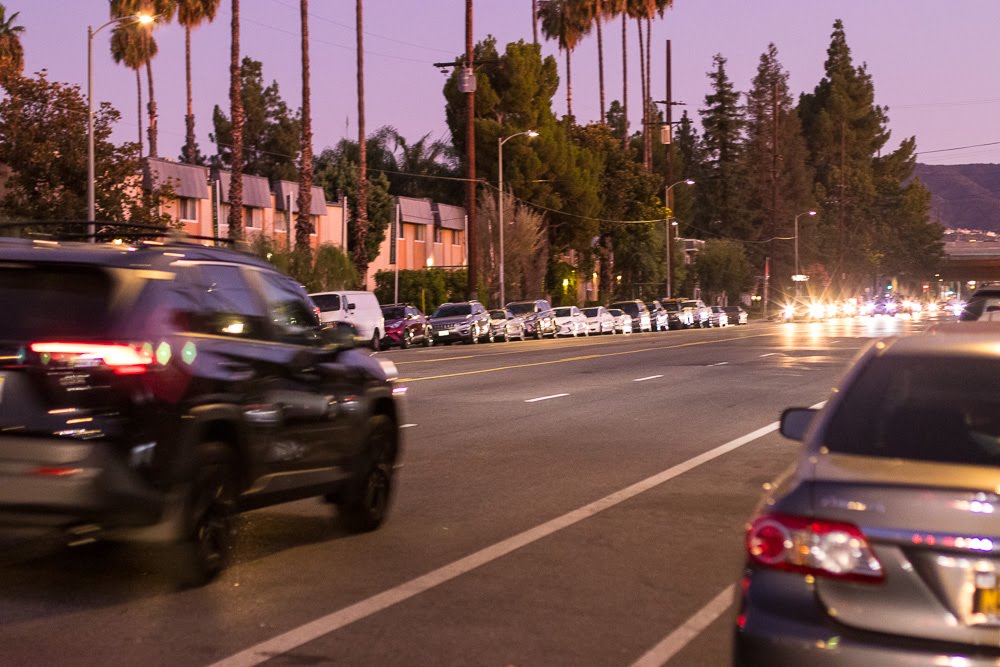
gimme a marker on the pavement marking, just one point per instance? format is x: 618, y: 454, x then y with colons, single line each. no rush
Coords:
x: 769, y: 354
x: 333, y: 621
x: 682, y: 636
x: 721, y: 363
x: 650, y: 377
x: 407, y: 426
x: 544, y: 398
x: 582, y: 358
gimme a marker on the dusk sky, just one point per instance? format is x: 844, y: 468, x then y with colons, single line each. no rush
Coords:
x: 935, y: 65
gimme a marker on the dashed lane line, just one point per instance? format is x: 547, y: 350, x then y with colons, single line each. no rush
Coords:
x: 682, y: 636
x: 544, y: 398
x: 648, y: 377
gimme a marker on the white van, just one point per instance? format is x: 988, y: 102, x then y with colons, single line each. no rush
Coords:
x: 358, y: 308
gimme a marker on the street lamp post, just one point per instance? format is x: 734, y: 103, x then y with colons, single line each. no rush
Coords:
x: 798, y: 275
x: 500, y: 142
x: 144, y: 19
x: 666, y: 202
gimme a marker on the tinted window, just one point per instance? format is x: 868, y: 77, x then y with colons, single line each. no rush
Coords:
x: 927, y: 409
x: 54, y: 302
x: 327, y: 302
x: 290, y: 313
x: 523, y: 308
x: 452, y: 310
x: 629, y: 307
x: 396, y: 313
x: 671, y: 307
x: 232, y: 308
x: 498, y: 315
x: 563, y: 312
x: 590, y: 312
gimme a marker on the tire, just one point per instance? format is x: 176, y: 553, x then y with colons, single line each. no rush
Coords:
x: 363, y: 504
x: 490, y: 337
x: 202, y: 552
x: 428, y: 338
x: 406, y: 340
x: 375, y: 342
x: 473, y: 336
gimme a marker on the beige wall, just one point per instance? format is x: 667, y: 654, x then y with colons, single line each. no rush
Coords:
x: 413, y: 254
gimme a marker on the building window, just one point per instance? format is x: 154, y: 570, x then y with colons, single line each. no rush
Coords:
x: 456, y: 238
x: 188, y: 209
x: 420, y: 233
x: 252, y: 217
x: 437, y: 234
x: 314, y: 221
x: 402, y: 228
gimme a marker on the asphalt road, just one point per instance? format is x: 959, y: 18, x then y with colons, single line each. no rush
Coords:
x: 571, y: 502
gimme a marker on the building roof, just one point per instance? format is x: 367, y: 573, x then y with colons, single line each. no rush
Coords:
x: 415, y: 211
x: 449, y: 217
x: 256, y: 190
x: 282, y: 189
x: 187, y: 180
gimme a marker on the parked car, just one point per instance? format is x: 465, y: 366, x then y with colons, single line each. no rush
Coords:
x: 465, y: 321
x: 406, y: 325
x: 623, y: 321
x: 719, y: 317
x: 360, y: 309
x: 736, y: 315
x: 539, y: 320
x: 506, y: 325
x: 637, y: 311
x: 152, y: 391
x: 678, y: 317
x: 700, y: 313
x: 571, y: 321
x: 599, y: 320
x: 658, y: 318
x: 883, y: 533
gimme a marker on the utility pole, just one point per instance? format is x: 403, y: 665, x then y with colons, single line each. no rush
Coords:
x: 774, y: 181
x: 470, y: 154
x: 670, y: 176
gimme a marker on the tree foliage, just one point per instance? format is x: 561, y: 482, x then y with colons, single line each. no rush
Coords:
x: 723, y: 269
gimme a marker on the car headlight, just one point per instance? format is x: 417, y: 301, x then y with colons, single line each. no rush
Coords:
x: 789, y: 311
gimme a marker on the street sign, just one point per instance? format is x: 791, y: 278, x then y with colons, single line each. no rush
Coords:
x: 800, y: 278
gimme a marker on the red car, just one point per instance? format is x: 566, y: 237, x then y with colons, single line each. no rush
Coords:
x: 405, y: 325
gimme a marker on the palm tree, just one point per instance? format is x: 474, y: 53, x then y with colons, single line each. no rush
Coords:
x: 11, y: 51
x: 131, y: 45
x: 303, y: 225
x: 236, y: 116
x: 613, y: 8
x: 566, y: 21
x: 163, y: 10
x: 534, y: 21
x: 361, y: 220
x: 191, y: 14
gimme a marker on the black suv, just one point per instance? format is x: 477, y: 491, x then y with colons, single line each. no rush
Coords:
x: 150, y: 391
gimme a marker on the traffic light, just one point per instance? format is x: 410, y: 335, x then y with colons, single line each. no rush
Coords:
x: 888, y: 287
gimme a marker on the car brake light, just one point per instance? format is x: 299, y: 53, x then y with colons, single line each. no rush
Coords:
x: 122, y: 359
x: 812, y: 546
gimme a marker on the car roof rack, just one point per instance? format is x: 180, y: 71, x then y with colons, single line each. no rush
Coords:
x: 108, y: 231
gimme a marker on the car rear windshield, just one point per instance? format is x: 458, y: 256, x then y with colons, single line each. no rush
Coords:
x: 630, y: 308
x: 523, y: 308
x: 326, y: 302
x: 590, y: 312
x: 562, y: 312
x: 690, y: 304
x: 47, y: 302
x: 498, y: 315
x: 731, y: 309
x: 940, y: 409
x: 980, y: 303
x: 391, y: 313
x: 671, y: 306
x: 452, y: 310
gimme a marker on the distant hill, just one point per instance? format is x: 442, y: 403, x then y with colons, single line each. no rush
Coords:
x: 965, y: 196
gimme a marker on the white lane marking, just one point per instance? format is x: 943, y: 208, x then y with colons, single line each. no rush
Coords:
x: 769, y: 354
x: 721, y: 363
x: 834, y: 342
x: 544, y: 398
x: 324, y: 625
x: 682, y: 636
x: 650, y: 377
x: 407, y: 426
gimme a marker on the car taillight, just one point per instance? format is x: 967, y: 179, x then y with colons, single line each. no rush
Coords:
x: 122, y: 359
x: 812, y: 546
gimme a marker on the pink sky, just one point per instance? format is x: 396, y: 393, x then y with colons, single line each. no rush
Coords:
x: 934, y: 64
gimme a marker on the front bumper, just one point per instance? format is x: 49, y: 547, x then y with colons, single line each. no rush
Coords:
x: 54, y: 482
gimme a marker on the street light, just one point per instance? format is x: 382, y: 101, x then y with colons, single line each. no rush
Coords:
x: 798, y: 276
x: 142, y: 19
x: 666, y: 202
x: 500, y: 142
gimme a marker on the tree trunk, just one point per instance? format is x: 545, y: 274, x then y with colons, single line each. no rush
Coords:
x: 534, y: 22
x: 649, y: 95
x: 152, y: 111
x: 189, y: 140
x: 361, y: 220
x: 236, y: 114
x: 600, y: 56
x: 624, y: 81
x: 642, y: 80
x: 303, y: 223
x: 138, y: 88
x: 569, y: 86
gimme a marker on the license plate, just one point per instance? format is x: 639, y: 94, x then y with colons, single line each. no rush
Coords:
x: 443, y: 333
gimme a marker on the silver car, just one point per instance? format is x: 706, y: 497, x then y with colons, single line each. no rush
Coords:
x: 881, y: 545
x: 623, y: 321
x: 599, y: 320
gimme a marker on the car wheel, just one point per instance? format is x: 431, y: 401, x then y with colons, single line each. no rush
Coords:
x: 375, y: 342
x: 428, y: 338
x: 473, y: 336
x: 490, y: 337
x: 365, y: 501
x: 406, y: 340
x: 202, y: 552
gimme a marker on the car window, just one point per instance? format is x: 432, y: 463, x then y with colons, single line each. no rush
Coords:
x: 396, y: 313
x: 54, y: 301
x: 943, y: 409
x: 291, y: 316
x: 452, y: 310
x: 327, y: 302
x: 563, y: 312
x: 231, y: 307
x: 523, y: 308
x: 628, y: 307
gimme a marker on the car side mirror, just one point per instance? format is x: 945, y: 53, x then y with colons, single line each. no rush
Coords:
x: 795, y: 422
x: 352, y: 306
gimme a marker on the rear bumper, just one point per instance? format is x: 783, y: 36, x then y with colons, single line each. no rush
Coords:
x: 57, y: 483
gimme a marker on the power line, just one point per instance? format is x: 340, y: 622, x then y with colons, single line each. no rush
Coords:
x: 958, y: 148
